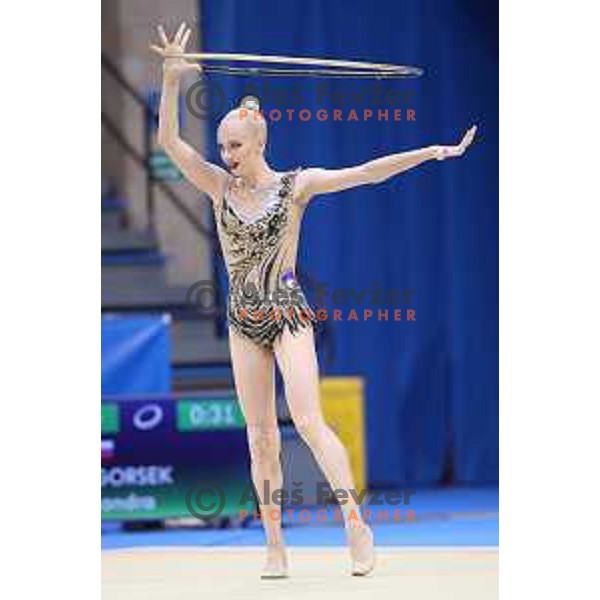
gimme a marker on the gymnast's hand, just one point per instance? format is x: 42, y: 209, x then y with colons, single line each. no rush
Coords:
x: 443, y: 152
x: 175, y: 67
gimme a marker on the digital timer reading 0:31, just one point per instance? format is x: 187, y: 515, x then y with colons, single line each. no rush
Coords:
x: 194, y: 415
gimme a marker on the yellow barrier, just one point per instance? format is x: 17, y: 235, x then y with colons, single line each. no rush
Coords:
x: 342, y: 399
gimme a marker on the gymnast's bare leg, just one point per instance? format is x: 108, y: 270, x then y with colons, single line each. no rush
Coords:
x: 297, y: 360
x: 253, y: 369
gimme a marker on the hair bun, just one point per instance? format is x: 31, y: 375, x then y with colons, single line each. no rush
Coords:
x: 250, y: 103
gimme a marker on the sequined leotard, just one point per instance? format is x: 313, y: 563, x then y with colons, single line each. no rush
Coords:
x: 260, y: 254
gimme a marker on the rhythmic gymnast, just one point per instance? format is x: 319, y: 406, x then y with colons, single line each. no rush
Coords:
x: 258, y: 212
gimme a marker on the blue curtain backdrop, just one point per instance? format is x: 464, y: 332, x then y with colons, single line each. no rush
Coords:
x: 432, y: 385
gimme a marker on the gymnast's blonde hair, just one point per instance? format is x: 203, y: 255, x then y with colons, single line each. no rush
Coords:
x: 249, y: 111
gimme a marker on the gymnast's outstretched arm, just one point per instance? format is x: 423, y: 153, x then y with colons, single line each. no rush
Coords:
x: 315, y: 181
x: 204, y: 175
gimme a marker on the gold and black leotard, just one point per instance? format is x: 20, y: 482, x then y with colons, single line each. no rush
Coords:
x: 260, y: 255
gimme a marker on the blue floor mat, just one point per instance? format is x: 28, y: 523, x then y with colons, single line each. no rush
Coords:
x: 449, y: 517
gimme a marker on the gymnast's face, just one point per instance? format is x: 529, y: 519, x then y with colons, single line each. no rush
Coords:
x: 241, y: 143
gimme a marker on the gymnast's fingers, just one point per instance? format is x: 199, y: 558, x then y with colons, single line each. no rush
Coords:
x: 193, y: 67
x: 157, y: 49
x: 179, y: 34
x: 163, y: 36
x: 186, y: 38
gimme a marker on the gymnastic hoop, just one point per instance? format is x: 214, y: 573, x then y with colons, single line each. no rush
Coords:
x: 326, y: 67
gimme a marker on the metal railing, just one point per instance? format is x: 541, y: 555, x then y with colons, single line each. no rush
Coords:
x: 142, y: 158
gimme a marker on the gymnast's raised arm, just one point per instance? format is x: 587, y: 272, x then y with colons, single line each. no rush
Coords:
x: 314, y: 181
x: 206, y: 176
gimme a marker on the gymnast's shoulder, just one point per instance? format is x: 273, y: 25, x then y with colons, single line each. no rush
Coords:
x: 312, y: 181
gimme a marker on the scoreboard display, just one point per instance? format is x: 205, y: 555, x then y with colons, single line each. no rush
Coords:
x: 174, y: 456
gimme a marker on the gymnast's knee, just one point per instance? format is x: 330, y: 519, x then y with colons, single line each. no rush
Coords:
x: 264, y: 443
x: 310, y: 427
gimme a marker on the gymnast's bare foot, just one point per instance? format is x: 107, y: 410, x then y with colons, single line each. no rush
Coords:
x: 361, y: 544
